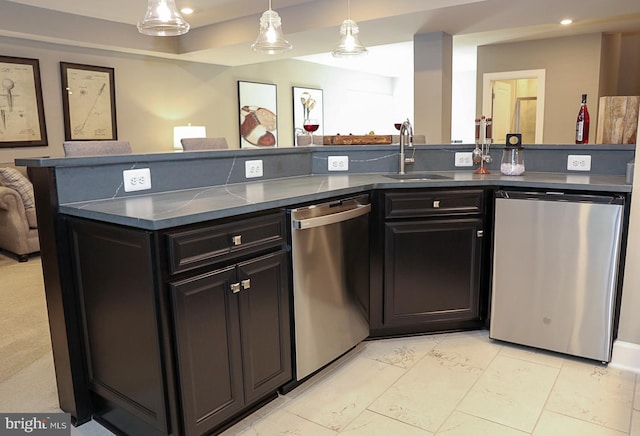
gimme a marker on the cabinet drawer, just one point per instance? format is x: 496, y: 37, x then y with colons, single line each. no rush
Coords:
x: 211, y: 244
x: 415, y: 204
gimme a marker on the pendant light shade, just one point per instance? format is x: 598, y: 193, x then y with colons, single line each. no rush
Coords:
x: 271, y: 40
x: 163, y: 19
x: 349, y: 45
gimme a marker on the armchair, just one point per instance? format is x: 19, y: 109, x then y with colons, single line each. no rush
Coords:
x: 18, y: 224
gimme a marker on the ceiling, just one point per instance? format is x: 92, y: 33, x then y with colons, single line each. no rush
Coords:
x: 223, y: 30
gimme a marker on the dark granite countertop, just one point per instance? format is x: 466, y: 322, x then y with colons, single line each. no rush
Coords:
x: 175, y: 208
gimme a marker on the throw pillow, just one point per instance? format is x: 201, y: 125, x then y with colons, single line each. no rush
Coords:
x: 12, y: 178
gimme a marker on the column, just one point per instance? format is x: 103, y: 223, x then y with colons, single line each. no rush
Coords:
x: 432, y: 53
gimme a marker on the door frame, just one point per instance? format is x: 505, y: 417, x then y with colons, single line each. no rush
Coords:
x: 488, y: 78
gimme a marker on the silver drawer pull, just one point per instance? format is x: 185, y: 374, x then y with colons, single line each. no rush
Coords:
x: 237, y: 239
x: 246, y: 284
x: 235, y: 288
x: 480, y: 233
x: 436, y: 204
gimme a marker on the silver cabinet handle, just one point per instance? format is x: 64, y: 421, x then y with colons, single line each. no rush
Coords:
x: 246, y: 284
x: 436, y: 204
x: 237, y: 239
x: 480, y: 233
x: 235, y: 288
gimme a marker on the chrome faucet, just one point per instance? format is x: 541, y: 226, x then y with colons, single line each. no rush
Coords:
x: 406, y: 137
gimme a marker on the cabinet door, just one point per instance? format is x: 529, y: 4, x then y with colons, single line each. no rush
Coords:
x: 265, y: 324
x: 208, y: 349
x: 432, y: 271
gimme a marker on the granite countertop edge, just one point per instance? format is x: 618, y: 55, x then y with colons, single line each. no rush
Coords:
x: 165, y: 210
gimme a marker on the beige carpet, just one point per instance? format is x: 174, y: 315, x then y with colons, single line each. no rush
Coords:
x: 24, y: 326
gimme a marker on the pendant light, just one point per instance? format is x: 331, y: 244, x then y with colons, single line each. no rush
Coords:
x: 349, y: 43
x: 163, y: 19
x: 271, y: 40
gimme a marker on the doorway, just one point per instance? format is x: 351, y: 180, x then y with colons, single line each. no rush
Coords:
x: 515, y: 101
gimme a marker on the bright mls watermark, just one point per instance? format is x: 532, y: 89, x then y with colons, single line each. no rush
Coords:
x: 58, y: 424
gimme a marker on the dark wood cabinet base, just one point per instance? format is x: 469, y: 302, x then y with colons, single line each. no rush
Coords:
x: 181, y: 352
x: 428, y: 268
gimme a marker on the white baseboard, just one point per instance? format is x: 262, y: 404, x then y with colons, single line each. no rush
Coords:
x: 626, y: 356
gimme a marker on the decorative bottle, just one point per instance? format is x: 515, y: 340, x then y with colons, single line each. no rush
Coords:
x: 582, y: 123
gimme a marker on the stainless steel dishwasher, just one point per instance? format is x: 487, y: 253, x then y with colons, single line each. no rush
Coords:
x: 555, y: 269
x: 330, y: 252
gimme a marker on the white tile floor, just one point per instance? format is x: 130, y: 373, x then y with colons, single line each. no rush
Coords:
x: 454, y: 384
x: 457, y: 384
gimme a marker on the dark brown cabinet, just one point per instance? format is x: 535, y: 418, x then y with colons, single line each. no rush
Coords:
x: 232, y: 339
x: 183, y: 329
x: 229, y: 286
x: 431, y: 246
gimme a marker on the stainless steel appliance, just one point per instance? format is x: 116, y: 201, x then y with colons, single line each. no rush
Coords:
x: 555, y: 270
x: 330, y: 251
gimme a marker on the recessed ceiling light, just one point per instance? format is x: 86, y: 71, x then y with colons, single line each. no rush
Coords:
x: 186, y: 11
x: 566, y: 21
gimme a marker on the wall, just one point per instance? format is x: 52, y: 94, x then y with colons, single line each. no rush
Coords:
x: 572, y: 67
x: 629, y: 71
x: 153, y: 95
x: 629, y: 328
x: 610, y: 64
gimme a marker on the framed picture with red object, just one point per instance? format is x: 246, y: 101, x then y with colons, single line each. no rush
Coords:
x: 22, y: 121
x: 308, y: 122
x: 258, y: 115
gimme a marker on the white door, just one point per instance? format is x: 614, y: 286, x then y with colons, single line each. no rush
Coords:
x: 502, y: 109
x: 488, y: 81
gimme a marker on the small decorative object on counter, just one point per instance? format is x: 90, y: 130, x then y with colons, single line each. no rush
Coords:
x: 477, y: 153
x: 480, y: 155
x: 582, y: 123
x: 512, y: 156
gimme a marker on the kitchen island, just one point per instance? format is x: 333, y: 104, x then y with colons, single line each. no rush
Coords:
x: 82, y: 200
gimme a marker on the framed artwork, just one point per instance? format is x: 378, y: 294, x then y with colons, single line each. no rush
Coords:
x: 307, y: 105
x: 88, y: 102
x: 257, y: 104
x: 21, y: 109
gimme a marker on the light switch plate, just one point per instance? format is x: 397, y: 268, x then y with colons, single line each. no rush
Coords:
x: 253, y: 168
x: 137, y: 180
x: 464, y: 159
x: 579, y: 162
x: 338, y: 163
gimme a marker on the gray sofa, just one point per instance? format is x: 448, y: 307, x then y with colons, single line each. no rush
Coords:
x: 18, y: 224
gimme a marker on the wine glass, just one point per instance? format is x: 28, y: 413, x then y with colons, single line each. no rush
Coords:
x: 398, y: 126
x: 310, y: 125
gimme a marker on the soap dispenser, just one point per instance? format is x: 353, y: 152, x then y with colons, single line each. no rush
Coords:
x: 513, y: 156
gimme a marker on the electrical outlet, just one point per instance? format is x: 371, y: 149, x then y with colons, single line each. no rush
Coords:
x: 338, y: 163
x: 464, y: 159
x: 579, y: 162
x: 137, y: 180
x: 253, y: 168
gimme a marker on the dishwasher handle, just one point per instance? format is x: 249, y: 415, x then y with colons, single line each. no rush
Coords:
x: 324, y: 220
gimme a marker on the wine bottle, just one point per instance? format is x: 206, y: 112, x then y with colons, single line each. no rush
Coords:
x: 582, y: 123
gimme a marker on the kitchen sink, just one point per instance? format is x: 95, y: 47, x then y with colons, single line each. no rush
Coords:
x: 417, y: 176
